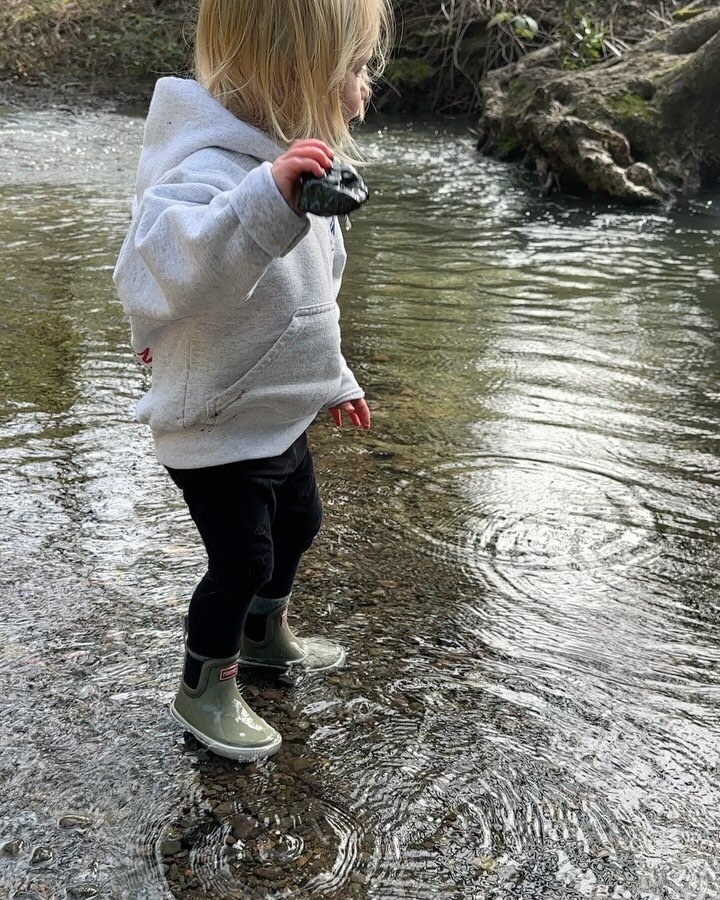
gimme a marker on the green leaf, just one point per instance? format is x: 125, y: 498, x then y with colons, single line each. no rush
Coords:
x: 525, y: 26
x: 499, y: 19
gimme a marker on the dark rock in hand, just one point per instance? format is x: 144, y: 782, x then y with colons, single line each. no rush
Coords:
x: 339, y: 192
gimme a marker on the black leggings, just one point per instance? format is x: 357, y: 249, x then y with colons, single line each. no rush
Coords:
x: 256, y: 518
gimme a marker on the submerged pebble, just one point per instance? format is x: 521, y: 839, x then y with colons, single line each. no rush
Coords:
x: 13, y: 848
x: 42, y: 855
x: 84, y: 891
x: 75, y: 822
x: 170, y: 846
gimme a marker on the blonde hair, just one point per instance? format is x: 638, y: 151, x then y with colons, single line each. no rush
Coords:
x: 281, y: 64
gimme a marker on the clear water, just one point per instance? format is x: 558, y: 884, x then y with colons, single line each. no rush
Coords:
x: 521, y: 556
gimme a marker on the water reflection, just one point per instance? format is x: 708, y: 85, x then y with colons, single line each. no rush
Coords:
x: 521, y: 557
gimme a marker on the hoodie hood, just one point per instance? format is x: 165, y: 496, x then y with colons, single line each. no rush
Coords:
x: 183, y: 118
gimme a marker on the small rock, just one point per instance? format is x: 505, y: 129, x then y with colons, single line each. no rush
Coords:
x: 195, y: 834
x: 486, y: 863
x: 75, y: 822
x: 42, y: 855
x: 244, y: 827
x: 269, y: 873
x: 13, y: 848
x: 85, y: 891
x: 170, y: 846
x: 224, y: 809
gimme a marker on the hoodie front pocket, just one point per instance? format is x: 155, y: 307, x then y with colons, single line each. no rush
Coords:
x: 295, y: 378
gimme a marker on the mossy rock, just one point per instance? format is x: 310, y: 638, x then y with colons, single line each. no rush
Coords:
x: 629, y: 106
x: 520, y: 91
x: 507, y: 147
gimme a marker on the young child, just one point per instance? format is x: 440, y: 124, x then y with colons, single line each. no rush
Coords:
x: 231, y: 295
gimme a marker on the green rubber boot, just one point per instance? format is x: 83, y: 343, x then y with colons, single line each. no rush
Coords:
x: 217, y: 715
x: 276, y: 646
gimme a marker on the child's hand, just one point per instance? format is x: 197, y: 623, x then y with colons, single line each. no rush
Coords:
x: 311, y: 155
x: 356, y: 410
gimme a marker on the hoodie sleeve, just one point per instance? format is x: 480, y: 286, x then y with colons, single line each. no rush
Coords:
x: 349, y: 388
x: 202, y: 242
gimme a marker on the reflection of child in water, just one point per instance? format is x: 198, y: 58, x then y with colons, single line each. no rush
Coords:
x: 231, y: 295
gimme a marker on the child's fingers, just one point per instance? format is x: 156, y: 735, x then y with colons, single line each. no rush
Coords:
x: 313, y: 142
x: 362, y: 411
x: 346, y: 407
x: 311, y: 152
x: 296, y: 165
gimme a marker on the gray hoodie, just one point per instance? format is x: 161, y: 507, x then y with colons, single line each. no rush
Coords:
x: 231, y: 295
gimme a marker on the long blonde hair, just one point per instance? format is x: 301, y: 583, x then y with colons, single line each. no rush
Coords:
x: 281, y: 64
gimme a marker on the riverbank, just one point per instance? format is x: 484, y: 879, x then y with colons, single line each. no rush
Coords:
x: 72, y: 96
x: 441, y: 57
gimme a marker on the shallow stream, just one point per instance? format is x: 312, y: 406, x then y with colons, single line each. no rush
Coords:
x: 521, y: 556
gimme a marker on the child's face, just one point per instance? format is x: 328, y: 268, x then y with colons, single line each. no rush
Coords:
x: 356, y: 92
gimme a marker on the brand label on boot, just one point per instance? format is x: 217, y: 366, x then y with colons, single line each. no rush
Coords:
x: 228, y: 672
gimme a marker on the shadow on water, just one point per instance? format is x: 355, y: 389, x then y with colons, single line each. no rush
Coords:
x: 521, y: 556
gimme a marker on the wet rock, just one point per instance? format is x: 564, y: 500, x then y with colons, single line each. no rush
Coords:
x: 224, y: 809
x: 170, y: 846
x: 42, y: 855
x: 589, y: 126
x: 196, y: 833
x: 75, y: 822
x: 245, y: 827
x: 85, y: 891
x: 13, y: 848
x: 270, y: 873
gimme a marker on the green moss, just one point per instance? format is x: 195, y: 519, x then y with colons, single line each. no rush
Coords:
x: 630, y: 106
x: 520, y: 91
x: 590, y: 109
x: 507, y: 146
x: 408, y: 71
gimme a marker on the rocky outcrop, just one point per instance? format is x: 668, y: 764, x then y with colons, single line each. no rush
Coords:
x: 641, y: 128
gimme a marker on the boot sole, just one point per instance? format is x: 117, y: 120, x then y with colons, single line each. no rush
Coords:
x: 261, y: 664
x: 244, y: 754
